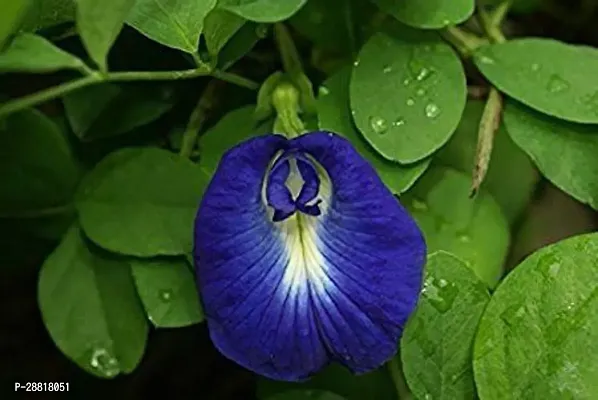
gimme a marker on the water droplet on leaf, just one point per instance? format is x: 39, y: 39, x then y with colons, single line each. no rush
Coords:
x: 441, y: 297
x: 356, y: 63
x: 424, y: 74
x: 261, y: 31
x: 486, y: 60
x: 165, y: 295
x: 464, y: 238
x: 379, y: 125
x: 535, y: 67
x: 512, y: 316
x: 556, y: 84
x: 398, y: 122
x: 410, y: 102
x: 387, y: 69
x: 323, y: 91
x: 421, y: 92
x: 103, y: 362
x: 553, y: 269
x: 406, y: 81
x: 432, y: 110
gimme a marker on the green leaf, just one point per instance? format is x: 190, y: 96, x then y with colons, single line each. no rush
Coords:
x: 46, y: 13
x: 235, y: 127
x: 141, y: 202
x: 34, y: 54
x: 241, y: 43
x: 38, y: 172
x: 13, y: 12
x: 90, y: 308
x: 337, y: 32
x: 474, y: 230
x: 338, y: 380
x: 511, y: 176
x: 307, y: 394
x: 552, y: 77
x: 334, y: 115
x: 107, y: 110
x: 263, y: 10
x: 167, y: 289
x: 436, y: 347
x: 99, y: 23
x: 173, y: 23
x: 538, y: 337
x: 407, y: 94
x: 219, y: 27
x: 430, y: 14
x: 564, y: 152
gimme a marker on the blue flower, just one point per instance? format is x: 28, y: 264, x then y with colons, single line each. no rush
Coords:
x: 304, y: 257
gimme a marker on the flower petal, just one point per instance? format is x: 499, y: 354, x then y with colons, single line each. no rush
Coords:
x: 241, y: 264
x: 285, y: 298
x: 373, y: 255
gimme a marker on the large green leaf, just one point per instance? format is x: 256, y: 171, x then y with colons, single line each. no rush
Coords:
x: 511, y: 175
x: 263, y: 10
x: 32, y: 53
x: 47, y: 13
x: 436, y: 347
x: 429, y: 14
x: 334, y: 115
x: 338, y: 380
x: 475, y: 230
x: 141, y: 202
x: 538, y: 337
x: 167, y: 289
x: 337, y: 32
x: 240, y: 43
x: 235, y: 127
x: 565, y: 152
x: 407, y: 94
x: 552, y: 77
x: 90, y: 308
x: 219, y: 27
x: 174, y: 23
x: 38, y: 173
x: 306, y: 394
x: 99, y: 23
x: 105, y: 110
x: 12, y: 14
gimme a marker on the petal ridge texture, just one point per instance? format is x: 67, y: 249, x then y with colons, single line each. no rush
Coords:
x: 304, y: 257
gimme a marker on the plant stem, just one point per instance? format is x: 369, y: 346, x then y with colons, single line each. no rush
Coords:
x: 288, y: 51
x: 42, y: 212
x: 489, y: 125
x: 47, y: 94
x: 492, y: 22
x: 196, y: 120
x: 465, y: 42
x: 396, y: 373
x: 128, y: 76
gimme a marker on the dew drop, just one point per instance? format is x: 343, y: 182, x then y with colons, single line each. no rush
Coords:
x: 427, y: 48
x: 398, y: 122
x: 379, y: 125
x: 323, y: 91
x: 387, y: 69
x: 556, y: 84
x: 432, y: 110
x: 464, y: 238
x: 421, y: 91
x: 513, y: 315
x: 419, y: 205
x: 356, y: 63
x: 440, y: 296
x: 406, y: 81
x: 410, y: 102
x: 424, y: 74
x: 535, y: 67
x: 165, y: 295
x: 486, y: 60
x: 442, y: 283
x: 103, y: 362
x: 553, y: 269
x: 427, y: 396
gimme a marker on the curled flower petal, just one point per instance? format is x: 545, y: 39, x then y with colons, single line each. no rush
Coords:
x: 304, y: 257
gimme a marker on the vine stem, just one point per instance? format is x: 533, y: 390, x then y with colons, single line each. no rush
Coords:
x: 464, y: 42
x: 197, y: 119
x: 94, y: 77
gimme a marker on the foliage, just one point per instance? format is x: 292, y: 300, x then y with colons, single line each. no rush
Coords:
x: 115, y: 115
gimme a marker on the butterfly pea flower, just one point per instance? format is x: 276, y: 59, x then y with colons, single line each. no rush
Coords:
x: 304, y: 258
